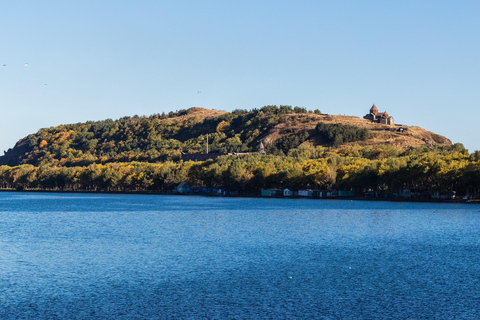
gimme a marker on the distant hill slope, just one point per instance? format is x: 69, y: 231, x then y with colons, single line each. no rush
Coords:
x: 166, y: 136
x: 382, y: 134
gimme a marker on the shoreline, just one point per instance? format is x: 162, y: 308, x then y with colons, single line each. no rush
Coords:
x: 248, y: 195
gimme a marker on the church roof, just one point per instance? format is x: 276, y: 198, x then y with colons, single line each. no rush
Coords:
x: 374, y: 109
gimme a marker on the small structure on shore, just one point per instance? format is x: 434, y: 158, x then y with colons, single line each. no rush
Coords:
x: 304, y: 193
x: 271, y: 192
x: 184, y: 187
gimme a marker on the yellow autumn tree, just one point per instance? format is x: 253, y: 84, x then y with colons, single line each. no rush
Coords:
x: 223, y: 126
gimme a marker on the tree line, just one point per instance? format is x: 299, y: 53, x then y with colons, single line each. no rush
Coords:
x: 423, y: 171
x: 337, y: 133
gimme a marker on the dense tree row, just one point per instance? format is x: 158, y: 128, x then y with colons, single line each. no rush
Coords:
x: 286, y: 143
x: 337, y: 133
x: 423, y: 172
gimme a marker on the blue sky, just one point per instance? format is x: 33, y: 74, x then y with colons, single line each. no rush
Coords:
x: 418, y: 60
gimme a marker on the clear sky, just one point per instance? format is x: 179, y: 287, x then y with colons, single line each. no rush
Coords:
x: 93, y: 60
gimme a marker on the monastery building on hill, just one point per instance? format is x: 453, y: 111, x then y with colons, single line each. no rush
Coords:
x: 379, y: 117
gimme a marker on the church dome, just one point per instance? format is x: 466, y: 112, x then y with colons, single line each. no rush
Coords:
x: 374, y: 109
x: 385, y: 114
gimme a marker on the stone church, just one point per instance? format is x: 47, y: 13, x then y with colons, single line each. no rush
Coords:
x: 379, y: 117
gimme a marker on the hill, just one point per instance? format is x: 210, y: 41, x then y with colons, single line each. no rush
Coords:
x: 382, y: 134
x: 162, y: 137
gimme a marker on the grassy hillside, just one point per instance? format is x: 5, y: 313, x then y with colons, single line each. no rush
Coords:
x: 163, y: 137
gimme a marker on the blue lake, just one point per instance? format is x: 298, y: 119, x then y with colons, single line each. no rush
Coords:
x: 84, y: 256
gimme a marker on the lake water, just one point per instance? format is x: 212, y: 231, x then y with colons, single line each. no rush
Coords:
x: 81, y: 256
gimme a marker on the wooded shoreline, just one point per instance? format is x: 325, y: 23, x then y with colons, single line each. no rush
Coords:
x: 247, y: 196
x: 268, y: 148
